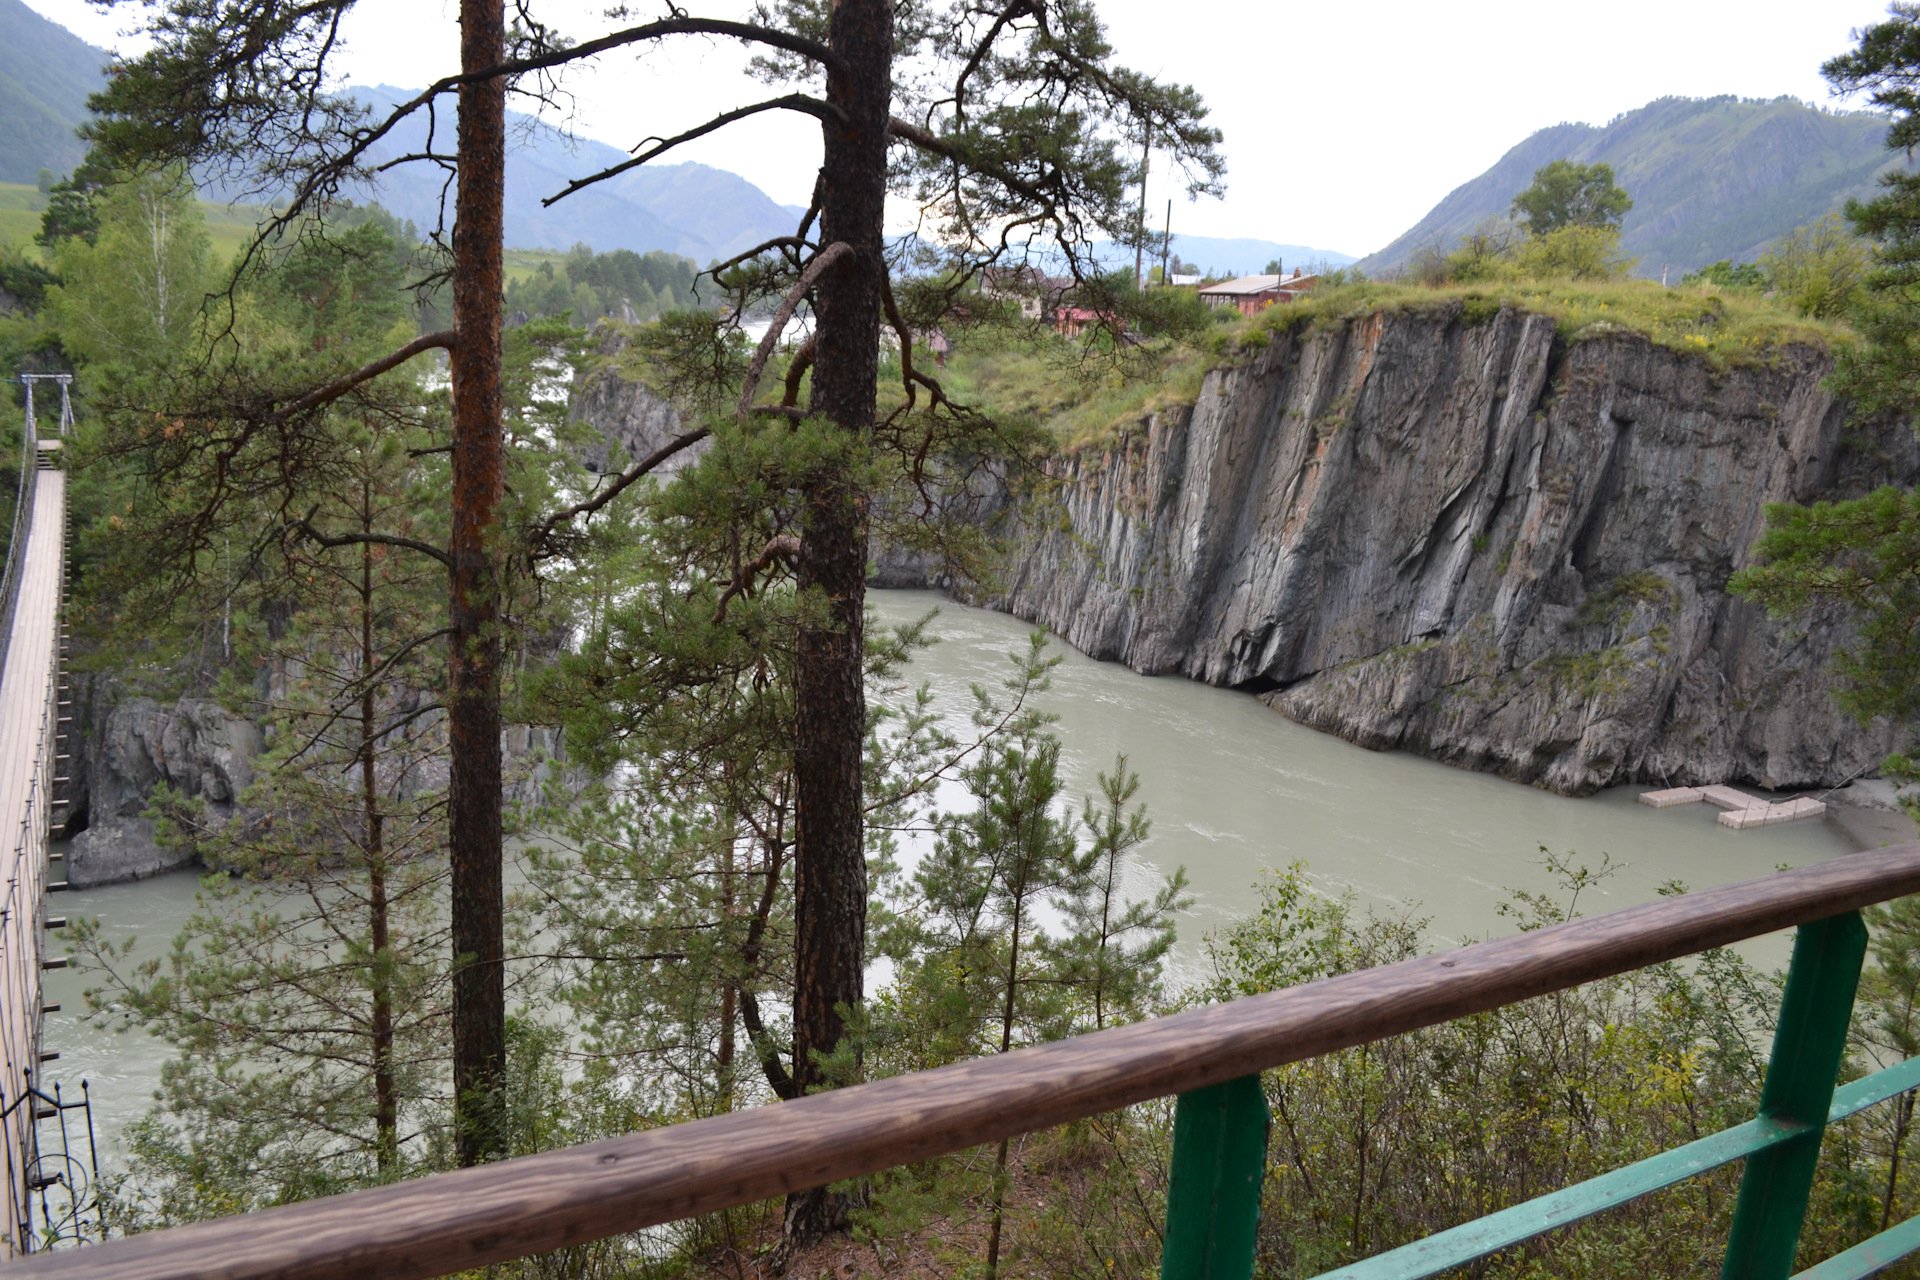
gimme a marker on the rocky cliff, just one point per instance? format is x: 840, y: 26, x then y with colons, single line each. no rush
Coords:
x: 621, y: 409
x: 1473, y: 540
x: 129, y: 745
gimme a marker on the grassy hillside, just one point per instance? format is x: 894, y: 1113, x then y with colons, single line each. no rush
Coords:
x: 229, y: 227
x: 1710, y: 178
x: 20, y: 205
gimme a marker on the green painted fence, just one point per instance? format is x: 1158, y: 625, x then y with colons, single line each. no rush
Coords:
x: 1222, y: 1152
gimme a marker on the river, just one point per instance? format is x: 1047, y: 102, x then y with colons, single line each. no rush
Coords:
x: 1232, y: 788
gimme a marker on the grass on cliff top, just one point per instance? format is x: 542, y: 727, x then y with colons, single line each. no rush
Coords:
x: 1727, y: 328
x: 1080, y: 391
x: 1086, y: 395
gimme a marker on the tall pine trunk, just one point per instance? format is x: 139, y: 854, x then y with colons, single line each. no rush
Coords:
x: 386, y: 1105
x: 473, y: 714
x: 830, y: 877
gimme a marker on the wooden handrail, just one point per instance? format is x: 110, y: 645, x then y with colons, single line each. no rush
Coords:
x: 453, y: 1221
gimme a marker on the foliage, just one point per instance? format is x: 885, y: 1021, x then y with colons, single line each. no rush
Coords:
x: 1565, y: 194
x: 24, y: 279
x: 131, y: 293
x: 1860, y: 555
x: 1501, y: 251
x: 589, y: 286
x: 1037, y: 377
x: 1537, y: 1096
x: 1882, y: 374
x: 1819, y: 269
x: 1485, y: 253
x: 1373, y: 1147
x: 1723, y: 328
x: 1727, y: 274
x: 72, y: 206
x: 977, y: 967
x: 307, y: 993
x: 1572, y: 252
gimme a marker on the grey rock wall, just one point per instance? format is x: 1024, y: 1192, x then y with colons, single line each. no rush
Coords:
x: 133, y: 745
x: 1473, y: 541
x: 624, y: 411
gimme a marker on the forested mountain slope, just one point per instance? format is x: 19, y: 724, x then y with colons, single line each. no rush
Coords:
x: 1710, y: 178
x: 698, y: 212
x: 46, y: 73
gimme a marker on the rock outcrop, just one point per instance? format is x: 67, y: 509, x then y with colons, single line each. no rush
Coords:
x: 194, y: 746
x: 1475, y: 540
x: 202, y: 751
x: 623, y: 410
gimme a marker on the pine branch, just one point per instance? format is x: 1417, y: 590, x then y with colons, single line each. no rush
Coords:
x: 825, y: 259
x: 824, y: 111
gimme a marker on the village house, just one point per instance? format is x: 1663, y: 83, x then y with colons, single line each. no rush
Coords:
x: 1252, y: 294
x: 1071, y: 322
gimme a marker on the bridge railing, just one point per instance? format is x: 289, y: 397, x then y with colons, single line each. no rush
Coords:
x: 1211, y: 1057
x: 28, y: 680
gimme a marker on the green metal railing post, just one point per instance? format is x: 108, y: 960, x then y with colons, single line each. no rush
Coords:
x: 1213, y: 1199
x: 1807, y: 1048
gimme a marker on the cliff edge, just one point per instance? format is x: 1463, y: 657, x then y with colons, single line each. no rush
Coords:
x: 1474, y: 539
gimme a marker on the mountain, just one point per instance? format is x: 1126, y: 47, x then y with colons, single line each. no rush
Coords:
x: 1215, y: 255
x: 690, y: 209
x: 1710, y: 178
x: 46, y: 73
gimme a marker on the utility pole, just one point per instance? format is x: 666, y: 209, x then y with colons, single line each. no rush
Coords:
x: 1166, y: 243
x: 1140, y: 245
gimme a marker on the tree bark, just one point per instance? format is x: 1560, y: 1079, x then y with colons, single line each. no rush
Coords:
x: 386, y: 1104
x: 830, y: 879
x: 473, y: 715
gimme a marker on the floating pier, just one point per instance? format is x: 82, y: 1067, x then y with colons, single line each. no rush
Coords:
x: 1738, y: 809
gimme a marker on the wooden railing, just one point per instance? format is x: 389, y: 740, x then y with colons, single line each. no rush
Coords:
x: 455, y: 1221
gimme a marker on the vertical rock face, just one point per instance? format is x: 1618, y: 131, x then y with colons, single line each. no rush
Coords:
x: 625, y: 411
x: 203, y: 751
x: 194, y: 746
x: 1475, y: 542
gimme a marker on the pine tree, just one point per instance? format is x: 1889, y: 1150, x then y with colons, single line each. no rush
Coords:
x: 1022, y: 138
x: 979, y: 969
x: 307, y: 995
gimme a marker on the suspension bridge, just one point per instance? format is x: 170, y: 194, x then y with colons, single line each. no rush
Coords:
x: 47, y: 1186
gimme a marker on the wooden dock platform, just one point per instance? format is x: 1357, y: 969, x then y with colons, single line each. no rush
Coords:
x: 1738, y: 809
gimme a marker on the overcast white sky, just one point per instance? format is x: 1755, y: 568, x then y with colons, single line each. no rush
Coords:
x: 1344, y: 123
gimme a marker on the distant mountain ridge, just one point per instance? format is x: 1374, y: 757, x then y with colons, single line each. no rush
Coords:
x: 1237, y: 256
x: 699, y: 212
x: 694, y: 210
x: 46, y: 73
x: 1710, y: 178
x: 690, y: 209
